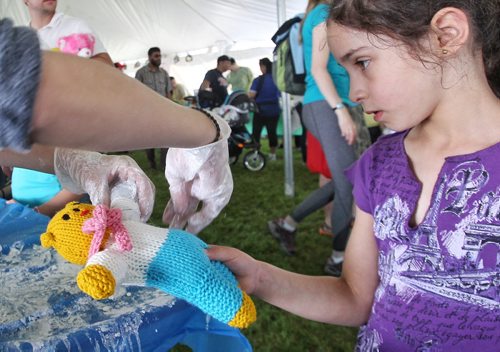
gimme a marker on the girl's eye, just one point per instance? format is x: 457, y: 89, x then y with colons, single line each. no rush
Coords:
x: 363, y: 64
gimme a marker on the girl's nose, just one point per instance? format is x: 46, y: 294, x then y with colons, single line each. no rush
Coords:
x: 357, y: 92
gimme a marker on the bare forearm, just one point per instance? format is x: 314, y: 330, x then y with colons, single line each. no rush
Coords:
x: 40, y: 158
x: 84, y: 104
x: 319, y: 298
x: 319, y: 70
x: 326, y: 86
x: 58, y: 202
x: 205, y: 85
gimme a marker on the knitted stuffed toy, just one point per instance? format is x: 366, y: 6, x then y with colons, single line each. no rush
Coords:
x: 134, y: 253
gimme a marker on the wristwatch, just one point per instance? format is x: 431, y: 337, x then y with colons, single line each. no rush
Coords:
x: 339, y: 106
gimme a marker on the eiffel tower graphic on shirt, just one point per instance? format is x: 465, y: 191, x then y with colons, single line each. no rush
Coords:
x: 470, y: 282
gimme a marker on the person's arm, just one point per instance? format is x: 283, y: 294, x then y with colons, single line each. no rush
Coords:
x: 249, y: 77
x: 168, y: 94
x: 58, y: 202
x: 100, y: 52
x: 345, y: 301
x: 103, y: 57
x: 40, y: 158
x: 323, y: 79
x: 205, y: 85
x: 128, y: 108
x: 252, y: 93
x: 87, y: 172
x: 139, y: 76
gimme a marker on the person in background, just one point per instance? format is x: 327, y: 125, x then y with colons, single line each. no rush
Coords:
x: 330, y: 116
x: 70, y: 35
x: 213, y: 89
x: 266, y: 96
x: 34, y: 118
x: 421, y: 266
x: 40, y: 191
x: 156, y: 78
x: 60, y: 32
x: 239, y: 78
x: 178, y: 91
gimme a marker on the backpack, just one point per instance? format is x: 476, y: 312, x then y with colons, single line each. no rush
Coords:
x: 289, y: 71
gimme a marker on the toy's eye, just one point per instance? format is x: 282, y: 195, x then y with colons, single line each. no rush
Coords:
x: 66, y: 217
x: 76, y: 210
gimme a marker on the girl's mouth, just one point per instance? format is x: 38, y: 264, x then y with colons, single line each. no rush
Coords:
x: 377, y: 115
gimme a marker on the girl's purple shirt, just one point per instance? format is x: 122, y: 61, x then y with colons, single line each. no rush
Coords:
x: 439, y: 284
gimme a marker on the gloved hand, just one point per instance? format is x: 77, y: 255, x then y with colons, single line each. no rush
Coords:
x: 96, y: 174
x: 198, y: 174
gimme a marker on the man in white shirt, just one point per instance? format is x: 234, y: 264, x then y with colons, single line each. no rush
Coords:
x: 64, y: 33
x: 67, y: 34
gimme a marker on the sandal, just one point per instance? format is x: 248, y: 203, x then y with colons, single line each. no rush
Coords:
x: 325, y: 230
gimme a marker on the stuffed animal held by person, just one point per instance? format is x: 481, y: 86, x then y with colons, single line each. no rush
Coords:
x: 130, y: 252
x: 80, y: 44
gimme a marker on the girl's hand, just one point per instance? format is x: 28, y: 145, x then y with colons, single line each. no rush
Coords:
x: 244, y: 267
x: 347, y: 125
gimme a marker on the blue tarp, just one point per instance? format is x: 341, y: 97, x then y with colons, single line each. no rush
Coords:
x: 135, y: 321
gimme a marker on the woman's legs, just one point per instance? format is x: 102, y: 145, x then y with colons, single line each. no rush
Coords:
x: 284, y: 229
x: 314, y: 201
x: 257, y: 125
x: 322, y: 122
x: 328, y: 208
x: 271, y: 124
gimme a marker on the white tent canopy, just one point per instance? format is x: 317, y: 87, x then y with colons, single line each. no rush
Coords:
x: 204, y: 29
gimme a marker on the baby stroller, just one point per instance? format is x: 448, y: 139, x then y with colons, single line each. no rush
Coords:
x: 235, y: 111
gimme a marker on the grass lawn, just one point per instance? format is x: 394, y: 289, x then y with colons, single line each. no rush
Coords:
x: 257, y: 198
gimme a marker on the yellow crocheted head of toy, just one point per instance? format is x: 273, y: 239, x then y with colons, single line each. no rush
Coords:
x: 65, y: 234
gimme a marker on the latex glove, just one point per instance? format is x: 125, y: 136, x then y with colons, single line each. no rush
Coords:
x: 96, y: 174
x: 198, y: 174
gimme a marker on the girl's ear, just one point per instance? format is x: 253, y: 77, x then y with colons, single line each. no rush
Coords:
x: 451, y: 30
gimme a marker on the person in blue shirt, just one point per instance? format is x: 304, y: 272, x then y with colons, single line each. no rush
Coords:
x: 40, y: 191
x: 266, y: 96
x: 330, y: 116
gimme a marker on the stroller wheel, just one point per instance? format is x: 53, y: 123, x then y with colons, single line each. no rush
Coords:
x: 233, y: 159
x: 254, y: 160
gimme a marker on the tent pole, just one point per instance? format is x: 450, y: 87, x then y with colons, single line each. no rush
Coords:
x: 287, y: 125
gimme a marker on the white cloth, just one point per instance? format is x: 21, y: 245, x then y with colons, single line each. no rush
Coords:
x: 62, y: 26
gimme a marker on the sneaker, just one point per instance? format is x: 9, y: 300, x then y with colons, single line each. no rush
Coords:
x: 271, y: 157
x: 285, y: 237
x: 333, y: 269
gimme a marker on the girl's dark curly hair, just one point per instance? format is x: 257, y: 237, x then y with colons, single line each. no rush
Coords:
x: 409, y: 22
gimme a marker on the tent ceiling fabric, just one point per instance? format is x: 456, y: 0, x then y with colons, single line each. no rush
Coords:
x: 129, y: 27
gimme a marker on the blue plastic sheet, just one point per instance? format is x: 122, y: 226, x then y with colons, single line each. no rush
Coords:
x: 20, y: 225
x: 42, y: 309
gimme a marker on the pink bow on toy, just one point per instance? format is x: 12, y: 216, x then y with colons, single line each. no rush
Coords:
x: 102, y: 219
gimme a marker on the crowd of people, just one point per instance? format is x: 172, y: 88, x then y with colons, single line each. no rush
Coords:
x: 415, y: 219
